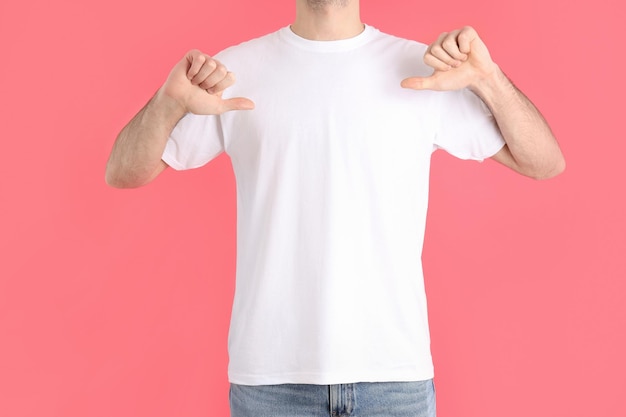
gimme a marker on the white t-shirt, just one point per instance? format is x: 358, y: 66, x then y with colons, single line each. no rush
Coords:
x: 332, y: 184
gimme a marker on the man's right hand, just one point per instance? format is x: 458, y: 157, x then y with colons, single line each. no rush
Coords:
x: 197, y: 81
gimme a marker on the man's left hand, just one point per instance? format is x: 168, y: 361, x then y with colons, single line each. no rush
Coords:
x: 460, y: 59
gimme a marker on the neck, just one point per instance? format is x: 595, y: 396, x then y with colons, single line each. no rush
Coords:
x: 327, y: 20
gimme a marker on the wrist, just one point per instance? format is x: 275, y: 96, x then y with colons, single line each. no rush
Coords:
x: 168, y: 104
x: 490, y: 85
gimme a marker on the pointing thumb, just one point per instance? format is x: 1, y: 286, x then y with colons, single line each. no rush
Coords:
x: 238, y: 103
x: 416, y: 83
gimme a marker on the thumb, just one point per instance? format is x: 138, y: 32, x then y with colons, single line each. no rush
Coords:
x: 417, y: 83
x: 237, y: 103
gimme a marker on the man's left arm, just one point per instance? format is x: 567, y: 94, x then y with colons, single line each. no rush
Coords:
x: 461, y: 60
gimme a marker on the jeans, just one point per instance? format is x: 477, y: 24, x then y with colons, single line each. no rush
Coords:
x: 376, y: 399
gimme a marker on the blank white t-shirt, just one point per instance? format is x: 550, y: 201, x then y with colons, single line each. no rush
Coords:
x: 332, y: 185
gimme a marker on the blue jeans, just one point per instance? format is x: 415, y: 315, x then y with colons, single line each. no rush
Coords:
x: 377, y: 399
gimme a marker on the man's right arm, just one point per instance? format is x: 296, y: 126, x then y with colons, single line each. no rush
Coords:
x: 135, y: 159
x: 194, y: 85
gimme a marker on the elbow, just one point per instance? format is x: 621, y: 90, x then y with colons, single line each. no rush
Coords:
x: 114, y: 181
x: 110, y: 178
x: 122, y: 183
x: 555, y: 168
x: 114, y: 178
x: 117, y: 176
x: 559, y: 167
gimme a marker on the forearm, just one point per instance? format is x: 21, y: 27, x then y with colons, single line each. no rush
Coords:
x: 136, y: 155
x: 530, y: 141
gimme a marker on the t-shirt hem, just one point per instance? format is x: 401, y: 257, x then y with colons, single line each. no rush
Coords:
x: 492, y: 151
x: 327, y: 379
x: 171, y: 161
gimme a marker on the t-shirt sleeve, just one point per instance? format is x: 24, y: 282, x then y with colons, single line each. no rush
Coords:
x: 195, y: 140
x: 466, y: 128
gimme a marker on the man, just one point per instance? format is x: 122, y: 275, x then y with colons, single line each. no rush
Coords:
x: 331, y: 162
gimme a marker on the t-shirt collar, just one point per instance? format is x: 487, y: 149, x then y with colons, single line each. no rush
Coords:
x: 362, y: 38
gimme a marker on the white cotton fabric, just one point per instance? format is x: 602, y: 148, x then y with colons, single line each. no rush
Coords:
x: 332, y: 173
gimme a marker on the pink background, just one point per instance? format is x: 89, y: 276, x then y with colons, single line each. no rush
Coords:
x: 116, y: 303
